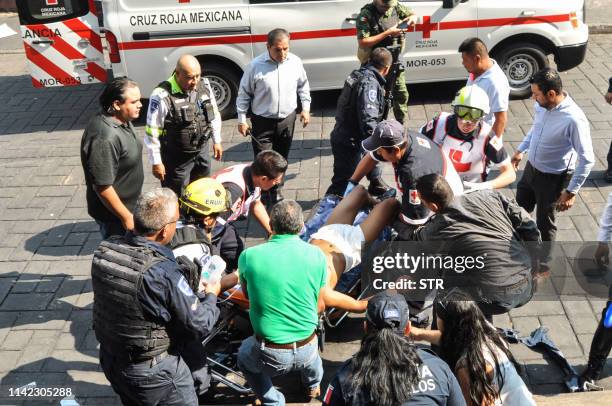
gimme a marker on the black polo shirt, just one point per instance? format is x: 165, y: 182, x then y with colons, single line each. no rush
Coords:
x: 111, y: 155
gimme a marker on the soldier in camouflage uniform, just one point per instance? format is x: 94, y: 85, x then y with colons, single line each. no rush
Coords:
x: 377, y: 27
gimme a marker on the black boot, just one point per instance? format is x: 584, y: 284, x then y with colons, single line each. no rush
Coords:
x: 377, y: 187
x: 600, y: 349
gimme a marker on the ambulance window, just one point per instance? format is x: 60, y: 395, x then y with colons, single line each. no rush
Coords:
x: 49, y: 11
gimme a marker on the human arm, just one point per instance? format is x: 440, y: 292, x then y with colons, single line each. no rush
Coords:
x: 368, y: 107
x: 333, y: 298
x: 421, y: 334
x: 244, y: 97
x: 154, y: 129
x: 364, y: 167
x: 495, y: 153
x: 602, y: 253
x: 242, y: 270
x: 580, y: 138
x: 521, y: 221
x: 112, y: 202
x: 365, y: 39
x: 303, y: 90
x: 215, y: 123
x: 499, y: 126
x: 608, y: 95
x: 165, y: 295
x: 260, y: 213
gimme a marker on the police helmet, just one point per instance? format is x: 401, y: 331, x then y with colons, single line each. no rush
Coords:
x: 205, y: 196
x: 471, y: 103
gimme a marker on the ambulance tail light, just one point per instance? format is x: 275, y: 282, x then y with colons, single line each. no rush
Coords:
x: 574, y: 19
x: 113, y: 46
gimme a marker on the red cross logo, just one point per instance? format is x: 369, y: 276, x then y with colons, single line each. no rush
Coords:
x: 455, y: 157
x: 427, y: 27
x: 413, y: 196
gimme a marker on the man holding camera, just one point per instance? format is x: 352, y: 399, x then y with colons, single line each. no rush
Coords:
x: 378, y: 24
x: 182, y: 117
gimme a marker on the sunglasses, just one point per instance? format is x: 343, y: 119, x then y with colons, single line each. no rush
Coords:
x: 469, y: 113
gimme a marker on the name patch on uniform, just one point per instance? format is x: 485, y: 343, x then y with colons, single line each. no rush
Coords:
x: 496, y: 142
x: 413, y: 197
x: 422, y: 142
x: 184, y: 287
x: 153, y: 105
x: 372, y: 94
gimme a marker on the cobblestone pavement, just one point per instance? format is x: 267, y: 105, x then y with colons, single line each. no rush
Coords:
x: 47, y: 238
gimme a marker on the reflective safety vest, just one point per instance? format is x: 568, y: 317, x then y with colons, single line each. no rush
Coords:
x: 468, y: 156
x: 119, y: 323
x: 234, y: 174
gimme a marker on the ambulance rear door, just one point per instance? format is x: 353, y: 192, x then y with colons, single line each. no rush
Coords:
x: 431, y: 51
x: 62, y: 42
x: 323, y: 35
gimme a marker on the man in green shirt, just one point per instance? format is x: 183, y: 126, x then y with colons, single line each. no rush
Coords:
x: 282, y: 279
x: 377, y: 26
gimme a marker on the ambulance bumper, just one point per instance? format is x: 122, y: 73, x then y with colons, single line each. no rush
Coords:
x: 570, y: 56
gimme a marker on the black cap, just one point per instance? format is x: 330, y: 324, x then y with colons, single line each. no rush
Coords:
x: 388, y: 310
x: 388, y: 133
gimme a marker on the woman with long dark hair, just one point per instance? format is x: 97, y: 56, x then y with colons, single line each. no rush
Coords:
x: 482, y: 361
x: 388, y: 369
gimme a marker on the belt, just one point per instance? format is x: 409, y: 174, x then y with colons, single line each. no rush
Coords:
x: 288, y: 346
x: 151, y: 361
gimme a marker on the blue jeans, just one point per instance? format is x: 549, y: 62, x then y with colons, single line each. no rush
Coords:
x: 109, y: 228
x: 260, y: 363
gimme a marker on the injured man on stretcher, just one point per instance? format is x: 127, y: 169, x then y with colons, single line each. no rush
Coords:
x: 341, y: 243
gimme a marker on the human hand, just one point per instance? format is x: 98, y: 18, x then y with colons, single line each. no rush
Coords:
x: 412, y: 20
x: 516, y: 159
x: 128, y: 222
x: 608, y: 97
x: 394, y: 31
x: 566, y: 201
x: 243, y: 128
x: 159, y: 171
x: 351, y: 185
x: 304, y: 118
x: 602, y: 255
x: 470, y: 187
x: 217, y: 151
x: 214, y: 288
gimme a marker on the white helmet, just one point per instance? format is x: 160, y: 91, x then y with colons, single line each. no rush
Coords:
x: 469, y: 99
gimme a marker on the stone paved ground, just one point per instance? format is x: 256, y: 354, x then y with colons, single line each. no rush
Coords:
x: 47, y: 238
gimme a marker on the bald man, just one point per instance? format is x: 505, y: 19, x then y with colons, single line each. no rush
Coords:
x: 182, y: 117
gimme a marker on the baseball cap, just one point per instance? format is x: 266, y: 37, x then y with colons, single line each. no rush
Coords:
x: 388, y: 133
x: 388, y: 310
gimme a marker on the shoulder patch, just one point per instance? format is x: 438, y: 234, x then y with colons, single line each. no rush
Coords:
x: 153, y: 105
x: 496, y: 142
x: 372, y: 94
x: 413, y: 197
x: 423, y: 142
x: 184, y: 287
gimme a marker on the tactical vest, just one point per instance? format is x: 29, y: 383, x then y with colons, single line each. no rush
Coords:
x: 233, y: 174
x: 187, y: 234
x: 118, y: 319
x: 378, y: 25
x: 347, y: 106
x: 188, y: 123
x: 467, y: 155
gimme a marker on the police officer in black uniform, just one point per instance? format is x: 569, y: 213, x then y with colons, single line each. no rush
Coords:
x: 146, y: 307
x: 182, y: 117
x: 360, y: 109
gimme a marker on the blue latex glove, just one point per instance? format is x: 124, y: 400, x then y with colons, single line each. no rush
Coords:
x: 349, y: 188
x: 608, y: 317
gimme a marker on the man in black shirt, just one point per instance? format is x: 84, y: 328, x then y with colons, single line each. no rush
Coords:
x: 111, y: 155
x: 427, y: 380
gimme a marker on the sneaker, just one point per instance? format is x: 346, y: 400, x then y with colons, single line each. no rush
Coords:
x: 378, y: 187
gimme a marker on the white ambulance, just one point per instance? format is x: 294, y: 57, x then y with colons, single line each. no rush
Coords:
x: 145, y: 38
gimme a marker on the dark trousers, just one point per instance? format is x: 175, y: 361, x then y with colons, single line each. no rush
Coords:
x: 502, y: 300
x: 108, y: 228
x: 610, y: 157
x: 346, y: 158
x: 600, y: 346
x: 274, y: 134
x: 195, y: 357
x: 542, y: 190
x: 184, y: 168
x: 167, y: 382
